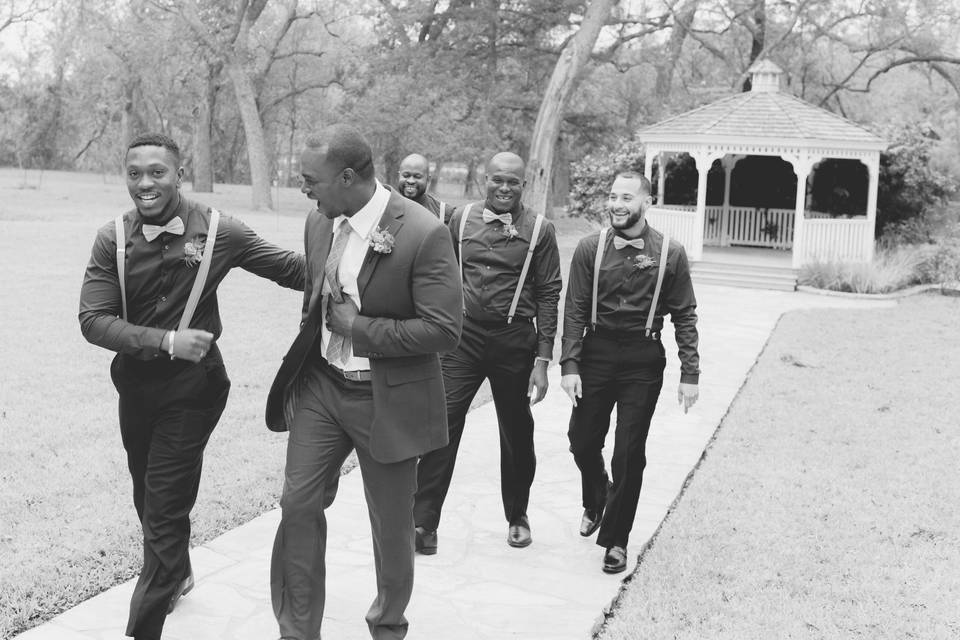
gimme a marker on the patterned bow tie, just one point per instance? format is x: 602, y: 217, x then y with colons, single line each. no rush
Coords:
x: 620, y: 243
x: 490, y: 216
x: 151, y: 231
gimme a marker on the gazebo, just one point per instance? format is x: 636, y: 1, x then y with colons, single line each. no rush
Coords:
x: 764, y: 122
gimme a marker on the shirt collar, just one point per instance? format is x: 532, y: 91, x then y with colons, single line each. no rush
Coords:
x: 368, y: 217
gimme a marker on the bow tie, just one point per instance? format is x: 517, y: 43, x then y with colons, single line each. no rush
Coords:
x: 151, y: 231
x: 620, y: 243
x: 490, y: 216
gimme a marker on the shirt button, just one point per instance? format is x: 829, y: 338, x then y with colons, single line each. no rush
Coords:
x: 165, y: 247
x: 163, y: 298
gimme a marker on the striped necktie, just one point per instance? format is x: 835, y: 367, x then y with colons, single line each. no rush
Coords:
x: 339, y: 347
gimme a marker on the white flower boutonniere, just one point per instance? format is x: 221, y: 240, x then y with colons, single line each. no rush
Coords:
x: 381, y: 240
x: 643, y: 261
x: 510, y: 231
x: 193, y: 252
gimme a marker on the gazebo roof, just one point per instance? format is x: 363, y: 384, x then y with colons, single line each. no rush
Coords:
x: 763, y: 115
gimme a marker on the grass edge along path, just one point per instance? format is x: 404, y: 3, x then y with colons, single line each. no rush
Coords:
x: 821, y: 507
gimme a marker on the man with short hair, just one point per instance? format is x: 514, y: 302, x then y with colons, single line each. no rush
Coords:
x: 382, y: 300
x: 612, y: 355
x: 510, y: 266
x: 414, y: 177
x: 137, y: 299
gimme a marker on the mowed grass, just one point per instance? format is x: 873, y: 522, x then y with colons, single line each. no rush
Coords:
x: 68, y: 529
x: 826, y: 506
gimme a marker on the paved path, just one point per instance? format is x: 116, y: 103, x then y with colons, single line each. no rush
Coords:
x: 477, y: 587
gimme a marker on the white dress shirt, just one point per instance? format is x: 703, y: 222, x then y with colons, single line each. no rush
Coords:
x: 362, y: 223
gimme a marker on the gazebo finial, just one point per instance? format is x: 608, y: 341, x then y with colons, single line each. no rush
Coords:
x: 765, y: 76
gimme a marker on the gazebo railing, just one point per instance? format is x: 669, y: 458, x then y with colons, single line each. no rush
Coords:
x: 679, y: 223
x: 846, y: 239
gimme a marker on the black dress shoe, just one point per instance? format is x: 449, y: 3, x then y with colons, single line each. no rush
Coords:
x: 519, y: 533
x: 425, y: 541
x: 615, y: 560
x: 590, y: 521
x: 182, y: 589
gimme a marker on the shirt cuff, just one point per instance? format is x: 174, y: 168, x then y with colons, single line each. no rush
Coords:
x: 569, y: 367
x: 689, y: 378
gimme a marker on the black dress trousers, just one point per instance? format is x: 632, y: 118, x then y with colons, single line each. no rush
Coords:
x: 626, y: 370
x: 168, y: 410
x: 504, y: 354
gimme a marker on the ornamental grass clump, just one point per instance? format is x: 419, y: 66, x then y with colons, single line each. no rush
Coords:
x: 891, y: 269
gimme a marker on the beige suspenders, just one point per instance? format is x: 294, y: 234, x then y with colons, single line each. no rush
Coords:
x: 526, y: 263
x: 601, y: 247
x: 121, y: 261
x: 198, y: 283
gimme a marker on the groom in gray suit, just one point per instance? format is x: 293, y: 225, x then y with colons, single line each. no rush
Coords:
x: 382, y: 299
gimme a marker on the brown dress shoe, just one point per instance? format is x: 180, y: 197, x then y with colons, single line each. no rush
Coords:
x: 590, y: 521
x: 518, y: 535
x: 182, y: 589
x: 425, y: 541
x: 615, y: 560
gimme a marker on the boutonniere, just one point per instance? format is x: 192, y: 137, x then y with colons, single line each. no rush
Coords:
x: 193, y: 252
x: 643, y: 261
x: 381, y: 240
x: 510, y: 231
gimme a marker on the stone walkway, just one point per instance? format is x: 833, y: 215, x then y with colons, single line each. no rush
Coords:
x: 477, y: 587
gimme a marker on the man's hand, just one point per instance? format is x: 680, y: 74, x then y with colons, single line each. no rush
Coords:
x: 538, y: 382
x: 189, y: 344
x: 687, y: 395
x: 571, y: 384
x: 340, y: 316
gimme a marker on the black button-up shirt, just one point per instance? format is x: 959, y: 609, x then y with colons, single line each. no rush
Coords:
x: 436, y: 207
x: 492, y: 260
x: 159, y: 278
x: 627, y: 280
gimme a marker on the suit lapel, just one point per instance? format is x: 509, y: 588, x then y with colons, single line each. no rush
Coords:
x: 391, y: 221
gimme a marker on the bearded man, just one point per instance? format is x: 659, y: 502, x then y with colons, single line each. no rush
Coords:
x: 621, y: 285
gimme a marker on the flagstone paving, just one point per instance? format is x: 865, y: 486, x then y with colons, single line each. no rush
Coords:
x: 477, y: 587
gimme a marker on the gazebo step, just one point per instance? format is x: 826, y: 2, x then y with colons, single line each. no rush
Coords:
x: 745, y: 276
x: 745, y: 268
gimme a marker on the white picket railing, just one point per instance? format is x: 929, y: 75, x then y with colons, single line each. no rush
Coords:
x: 824, y: 238
x: 836, y: 239
x: 679, y: 223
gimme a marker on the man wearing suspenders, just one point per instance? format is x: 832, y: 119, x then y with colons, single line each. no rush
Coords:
x: 510, y: 266
x: 413, y: 178
x: 623, y: 280
x: 150, y: 294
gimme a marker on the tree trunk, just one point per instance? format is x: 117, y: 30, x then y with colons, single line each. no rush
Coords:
x: 563, y: 82
x: 759, y: 36
x: 253, y: 131
x: 683, y: 19
x: 468, y: 181
x: 203, y: 134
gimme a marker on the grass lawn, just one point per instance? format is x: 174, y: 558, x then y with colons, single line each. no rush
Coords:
x: 826, y: 506
x: 68, y: 529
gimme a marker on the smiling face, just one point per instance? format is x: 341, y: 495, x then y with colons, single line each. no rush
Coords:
x: 414, y: 175
x: 627, y: 204
x: 153, y: 181
x: 504, y: 182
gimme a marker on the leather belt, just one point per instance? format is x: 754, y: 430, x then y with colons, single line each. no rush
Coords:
x: 496, y: 324
x: 354, y: 376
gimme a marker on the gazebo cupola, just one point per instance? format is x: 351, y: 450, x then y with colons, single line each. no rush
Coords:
x: 764, y: 121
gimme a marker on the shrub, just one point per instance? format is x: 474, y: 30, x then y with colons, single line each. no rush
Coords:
x: 590, y: 178
x: 891, y: 269
x: 909, y: 185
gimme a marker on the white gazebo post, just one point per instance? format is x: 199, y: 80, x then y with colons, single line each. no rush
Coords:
x: 661, y: 178
x: 703, y: 159
x: 873, y: 169
x: 648, y: 163
x: 729, y: 162
x: 802, y: 164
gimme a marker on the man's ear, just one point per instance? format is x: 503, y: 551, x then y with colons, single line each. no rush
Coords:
x: 347, y: 176
x: 180, y: 173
